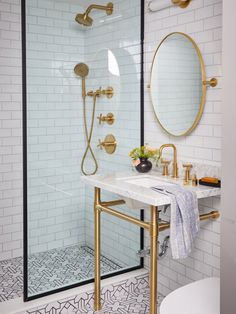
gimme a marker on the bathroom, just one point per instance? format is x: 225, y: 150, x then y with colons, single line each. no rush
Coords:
x: 77, y: 96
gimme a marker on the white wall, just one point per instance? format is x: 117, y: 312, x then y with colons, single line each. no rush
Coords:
x: 10, y: 130
x: 202, y: 20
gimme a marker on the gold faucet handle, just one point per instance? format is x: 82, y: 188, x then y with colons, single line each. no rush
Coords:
x: 188, y: 168
x: 165, y: 163
x: 109, y: 118
x: 109, y: 144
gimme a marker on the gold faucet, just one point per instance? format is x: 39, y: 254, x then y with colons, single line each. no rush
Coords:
x: 175, y: 165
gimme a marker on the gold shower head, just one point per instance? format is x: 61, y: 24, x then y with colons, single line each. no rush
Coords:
x: 86, y: 20
x: 81, y: 69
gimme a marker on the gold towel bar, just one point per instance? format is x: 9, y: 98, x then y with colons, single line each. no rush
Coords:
x: 161, y: 226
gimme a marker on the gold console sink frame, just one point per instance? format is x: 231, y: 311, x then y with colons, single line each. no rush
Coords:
x: 154, y: 226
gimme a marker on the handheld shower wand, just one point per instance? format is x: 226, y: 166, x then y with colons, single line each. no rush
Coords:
x: 82, y: 70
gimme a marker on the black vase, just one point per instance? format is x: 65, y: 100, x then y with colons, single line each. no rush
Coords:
x: 144, y: 166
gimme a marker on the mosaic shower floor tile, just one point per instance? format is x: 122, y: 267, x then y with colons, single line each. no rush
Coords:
x: 50, y: 270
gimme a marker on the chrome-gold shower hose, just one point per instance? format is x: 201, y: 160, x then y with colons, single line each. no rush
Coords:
x: 88, y: 135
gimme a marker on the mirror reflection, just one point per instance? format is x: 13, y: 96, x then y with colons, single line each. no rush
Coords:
x: 177, y: 91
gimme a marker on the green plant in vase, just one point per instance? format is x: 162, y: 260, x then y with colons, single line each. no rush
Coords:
x: 141, y: 155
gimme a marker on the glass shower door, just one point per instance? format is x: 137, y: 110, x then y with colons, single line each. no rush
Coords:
x: 58, y: 211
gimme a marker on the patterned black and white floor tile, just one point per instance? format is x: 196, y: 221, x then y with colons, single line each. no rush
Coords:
x: 50, y: 270
x: 59, y: 268
x: 128, y: 297
x: 11, y: 278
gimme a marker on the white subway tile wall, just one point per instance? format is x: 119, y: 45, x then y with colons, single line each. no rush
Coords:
x: 202, y: 21
x: 60, y: 213
x: 56, y: 205
x: 10, y: 131
x: 113, y: 55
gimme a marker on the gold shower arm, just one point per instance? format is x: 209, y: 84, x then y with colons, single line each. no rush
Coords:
x: 108, y: 8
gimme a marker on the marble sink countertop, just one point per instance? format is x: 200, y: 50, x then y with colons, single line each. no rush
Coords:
x: 118, y: 183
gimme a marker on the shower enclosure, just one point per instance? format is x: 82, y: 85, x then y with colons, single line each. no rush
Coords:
x: 105, y: 42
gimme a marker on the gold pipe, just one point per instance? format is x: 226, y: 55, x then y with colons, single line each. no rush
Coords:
x: 117, y: 214
x: 113, y: 203
x: 153, y: 259
x: 108, y: 8
x: 97, y: 249
x: 163, y: 226
x: 212, y: 215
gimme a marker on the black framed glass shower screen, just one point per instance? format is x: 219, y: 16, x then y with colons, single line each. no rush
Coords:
x: 58, y: 207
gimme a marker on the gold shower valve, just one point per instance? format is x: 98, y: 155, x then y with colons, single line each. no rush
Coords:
x: 109, y: 118
x: 109, y: 92
x: 109, y: 144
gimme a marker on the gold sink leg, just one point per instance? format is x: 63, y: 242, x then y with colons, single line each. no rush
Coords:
x: 97, y: 249
x: 153, y: 259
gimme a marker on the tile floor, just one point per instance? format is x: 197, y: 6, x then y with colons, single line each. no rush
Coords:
x: 127, y: 297
x: 50, y: 270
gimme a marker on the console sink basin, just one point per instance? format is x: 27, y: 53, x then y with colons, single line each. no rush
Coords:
x: 146, y: 181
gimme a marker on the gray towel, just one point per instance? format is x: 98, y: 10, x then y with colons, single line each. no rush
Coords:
x: 184, y: 221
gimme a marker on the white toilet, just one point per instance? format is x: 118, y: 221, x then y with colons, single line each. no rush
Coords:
x: 200, y: 297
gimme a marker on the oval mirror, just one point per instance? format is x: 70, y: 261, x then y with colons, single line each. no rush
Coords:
x: 177, y: 89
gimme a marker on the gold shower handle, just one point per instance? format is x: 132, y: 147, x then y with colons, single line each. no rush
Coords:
x: 108, y: 92
x: 109, y: 144
x: 109, y: 118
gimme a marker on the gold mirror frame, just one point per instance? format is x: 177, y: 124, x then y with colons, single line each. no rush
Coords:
x: 204, y: 84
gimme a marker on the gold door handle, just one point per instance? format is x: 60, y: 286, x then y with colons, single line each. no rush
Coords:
x: 109, y: 144
x: 109, y: 118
